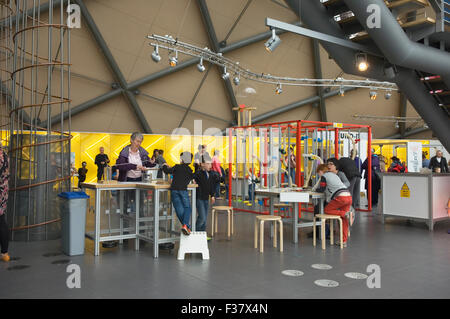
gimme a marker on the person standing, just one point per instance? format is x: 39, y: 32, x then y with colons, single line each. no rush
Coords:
x: 425, y: 160
x: 218, y: 170
x: 82, y: 171
x: 198, y: 156
x: 439, y: 161
x: 375, y: 179
x: 182, y: 176
x: 289, y: 162
x: 102, y: 161
x: 132, y: 161
x: 160, y: 160
x: 4, y: 189
x: 351, y: 171
x: 206, y: 187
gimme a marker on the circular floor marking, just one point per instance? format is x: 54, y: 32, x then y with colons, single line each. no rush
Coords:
x: 321, y: 266
x: 61, y: 261
x: 326, y: 283
x: 355, y: 275
x: 292, y: 273
x: 18, y: 267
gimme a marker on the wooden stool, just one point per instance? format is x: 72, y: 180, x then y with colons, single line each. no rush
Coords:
x: 229, y: 210
x: 324, y: 218
x: 261, y: 219
x: 282, y: 205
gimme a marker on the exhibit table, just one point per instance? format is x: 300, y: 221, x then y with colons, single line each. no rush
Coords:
x: 294, y: 195
x: 137, y: 232
x: 415, y: 196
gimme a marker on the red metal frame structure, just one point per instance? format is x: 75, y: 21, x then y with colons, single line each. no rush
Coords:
x: 300, y: 128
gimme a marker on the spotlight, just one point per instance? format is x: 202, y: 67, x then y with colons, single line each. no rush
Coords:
x: 397, y: 125
x: 279, y: 90
x: 155, y: 55
x: 273, y: 42
x: 373, y: 95
x: 361, y: 62
x: 236, y: 80
x: 174, y: 59
x: 200, y: 66
x: 388, y: 95
x: 341, y: 91
x: 225, y: 74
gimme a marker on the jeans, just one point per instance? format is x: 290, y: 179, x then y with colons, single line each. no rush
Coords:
x: 292, y: 174
x: 182, y: 204
x: 217, y: 190
x: 202, y: 214
x: 251, y: 191
x: 354, y: 189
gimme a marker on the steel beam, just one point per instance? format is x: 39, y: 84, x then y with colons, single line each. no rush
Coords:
x: 409, y: 133
x: 195, y: 96
x: 318, y: 75
x: 215, y: 46
x: 403, y: 106
x: 321, y: 36
x: 9, y: 102
x: 184, y: 108
x: 180, y: 66
x: 289, y: 107
x: 113, y: 65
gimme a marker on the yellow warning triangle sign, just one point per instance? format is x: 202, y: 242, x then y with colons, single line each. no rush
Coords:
x: 404, y: 191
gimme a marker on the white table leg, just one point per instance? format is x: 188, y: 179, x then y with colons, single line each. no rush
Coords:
x: 97, y: 222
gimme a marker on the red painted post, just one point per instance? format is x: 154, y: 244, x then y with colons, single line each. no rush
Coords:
x: 298, y: 154
x: 230, y: 165
x: 336, y: 143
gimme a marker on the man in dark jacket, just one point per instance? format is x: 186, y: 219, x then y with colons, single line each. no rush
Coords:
x: 439, y: 161
x: 206, y: 181
x: 375, y: 179
x: 101, y: 160
x: 351, y: 171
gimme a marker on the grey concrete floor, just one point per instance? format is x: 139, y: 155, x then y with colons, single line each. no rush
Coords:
x: 414, y: 263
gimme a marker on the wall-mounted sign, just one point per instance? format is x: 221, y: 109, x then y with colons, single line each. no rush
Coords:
x: 404, y: 191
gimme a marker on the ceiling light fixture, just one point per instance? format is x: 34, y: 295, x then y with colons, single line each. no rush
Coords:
x: 273, y: 42
x: 155, y: 55
x: 279, y: 89
x: 341, y: 91
x: 200, y: 66
x: 225, y: 74
x: 361, y: 62
x: 373, y: 95
x: 174, y: 59
x: 237, y: 79
x: 388, y: 95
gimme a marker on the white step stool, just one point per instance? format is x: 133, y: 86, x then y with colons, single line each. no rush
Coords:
x: 196, y: 242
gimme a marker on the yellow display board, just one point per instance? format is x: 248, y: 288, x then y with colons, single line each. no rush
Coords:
x: 85, y: 146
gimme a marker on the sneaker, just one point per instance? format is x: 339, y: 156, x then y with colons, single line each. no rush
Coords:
x: 338, y: 243
x: 186, y: 230
x: 352, y: 216
x: 5, y: 257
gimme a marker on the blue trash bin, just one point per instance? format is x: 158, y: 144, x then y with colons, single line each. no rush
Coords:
x: 73, y: 207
